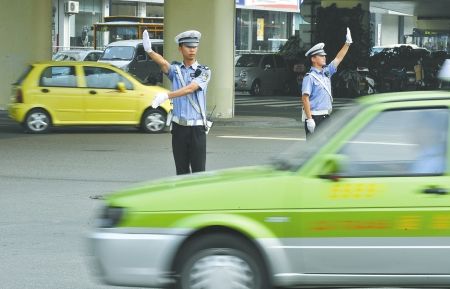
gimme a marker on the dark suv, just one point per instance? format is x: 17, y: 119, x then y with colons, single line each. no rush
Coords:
x: 130, y: 56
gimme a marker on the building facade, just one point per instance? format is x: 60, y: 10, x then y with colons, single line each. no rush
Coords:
x: 261, y: 25
x: 72, y: 25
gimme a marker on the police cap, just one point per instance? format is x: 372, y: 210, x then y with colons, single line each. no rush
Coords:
x: 316, y: 50
x: 189, y: 38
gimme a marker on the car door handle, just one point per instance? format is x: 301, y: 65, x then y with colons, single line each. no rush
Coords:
x: 436, y: 191
x: 92, y: 92
x: 45, y: 90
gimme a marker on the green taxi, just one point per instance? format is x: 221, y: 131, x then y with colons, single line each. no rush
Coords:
x: 365, y: 202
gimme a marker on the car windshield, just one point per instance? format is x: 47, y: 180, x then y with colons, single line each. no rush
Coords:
x: 248, y: 60
x: 118, y: 53
x: 63, y: 56
x: 293, y: 158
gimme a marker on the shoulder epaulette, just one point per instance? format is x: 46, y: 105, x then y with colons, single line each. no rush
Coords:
x: 176, y: 63
x: 203, y: 67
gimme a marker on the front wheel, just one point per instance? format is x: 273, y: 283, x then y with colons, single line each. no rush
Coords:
x: 220, y: 261
x: 153, y: 121
x: 37, y: 121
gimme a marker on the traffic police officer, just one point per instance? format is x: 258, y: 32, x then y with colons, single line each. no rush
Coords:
x: 316, y: 87
x: 189, y: 84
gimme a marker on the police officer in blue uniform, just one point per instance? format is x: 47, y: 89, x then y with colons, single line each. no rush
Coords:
x: 189, y: 84
x: 316, y: 87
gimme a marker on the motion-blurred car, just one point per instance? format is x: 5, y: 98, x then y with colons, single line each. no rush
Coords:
x: 77, y: 55
x: 129, y: 55
x: 364, y: 203
x: 260, y: 73
x: 58, y: 93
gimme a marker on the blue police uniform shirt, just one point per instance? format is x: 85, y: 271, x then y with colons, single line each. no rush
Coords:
x: 182, y: 108
x: 319, y: 98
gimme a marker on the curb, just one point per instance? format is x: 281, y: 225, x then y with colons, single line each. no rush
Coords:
x: 259, y: 121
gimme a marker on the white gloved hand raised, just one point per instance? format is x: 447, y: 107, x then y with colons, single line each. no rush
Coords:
x: 159, y: 98
x: 348, y: 37
x: 146, y: 42
x: 310, y: 125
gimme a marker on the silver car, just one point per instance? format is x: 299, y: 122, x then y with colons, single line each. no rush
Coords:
x: 77, y: 55
x: 260, y: 73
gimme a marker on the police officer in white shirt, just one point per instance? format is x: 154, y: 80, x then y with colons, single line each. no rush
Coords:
x: 189, y: 84
x: 316, y: 87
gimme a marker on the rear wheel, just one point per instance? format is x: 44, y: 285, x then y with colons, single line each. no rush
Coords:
x: 37, y: 121
x: 153, y: 121
x: 218, y: 261
x: 256, y: 88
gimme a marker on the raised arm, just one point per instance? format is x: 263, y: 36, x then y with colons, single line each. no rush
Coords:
x: 341, y: 54
x: 163, y: 63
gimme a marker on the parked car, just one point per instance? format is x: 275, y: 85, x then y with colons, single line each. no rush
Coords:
x: 366, y: 203
x: 60, y: 93
x: 130, y: 56
x: 259, y: 73
x: 77, y: 55
x: 379, y: 48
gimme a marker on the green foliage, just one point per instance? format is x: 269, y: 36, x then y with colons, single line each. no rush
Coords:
x: 331, y: 29
x: 292, y: 49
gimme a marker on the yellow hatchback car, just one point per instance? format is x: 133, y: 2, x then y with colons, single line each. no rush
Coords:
x: 84, y: 93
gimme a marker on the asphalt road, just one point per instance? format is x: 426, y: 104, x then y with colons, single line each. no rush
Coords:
x: 50, y: 186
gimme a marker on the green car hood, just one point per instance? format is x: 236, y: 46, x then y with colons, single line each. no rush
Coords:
x: 234, y: 189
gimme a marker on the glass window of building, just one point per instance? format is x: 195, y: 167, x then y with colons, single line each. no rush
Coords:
x: 124, y: 8
x: 90, y: 12
x: 155, y: 9
x: 261, y: 30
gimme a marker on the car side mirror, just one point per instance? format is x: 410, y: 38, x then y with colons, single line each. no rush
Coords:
x: 332, y: 165
x: 121, y: 87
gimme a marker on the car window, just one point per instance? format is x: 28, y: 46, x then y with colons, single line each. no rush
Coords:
x: 63, y: 76
x: 158, y: 48
x: 248, y: 60
x: 140, y: 53
x: 280, y: 61
x: 118, y: 53
x: 99, y: 77
x: 398, y: 143
x: 268, y: 60
x: 297, y: 155
x: 93, y: 56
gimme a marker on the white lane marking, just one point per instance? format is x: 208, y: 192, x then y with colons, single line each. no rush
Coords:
x: 285, y: 105
x: 360, y: 247
x: 382, y: 143
x: 261, y: 137
x: 303, y: 139
x: 258, y: 103
x: 257, y: 100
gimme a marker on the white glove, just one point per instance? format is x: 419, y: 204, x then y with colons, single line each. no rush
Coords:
x: 146, y: 42
x: 348, y: 37
x: 159, y: 98
x: 310, y: 125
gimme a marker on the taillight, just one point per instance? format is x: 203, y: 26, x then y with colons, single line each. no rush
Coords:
x: 19, y: 96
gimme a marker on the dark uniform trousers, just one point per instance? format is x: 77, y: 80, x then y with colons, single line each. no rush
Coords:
x: 189, y: 148
x: 318, y: 119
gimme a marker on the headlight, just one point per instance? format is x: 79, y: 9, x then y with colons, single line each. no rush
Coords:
x: 110, y: 217
x: 243, y: 74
